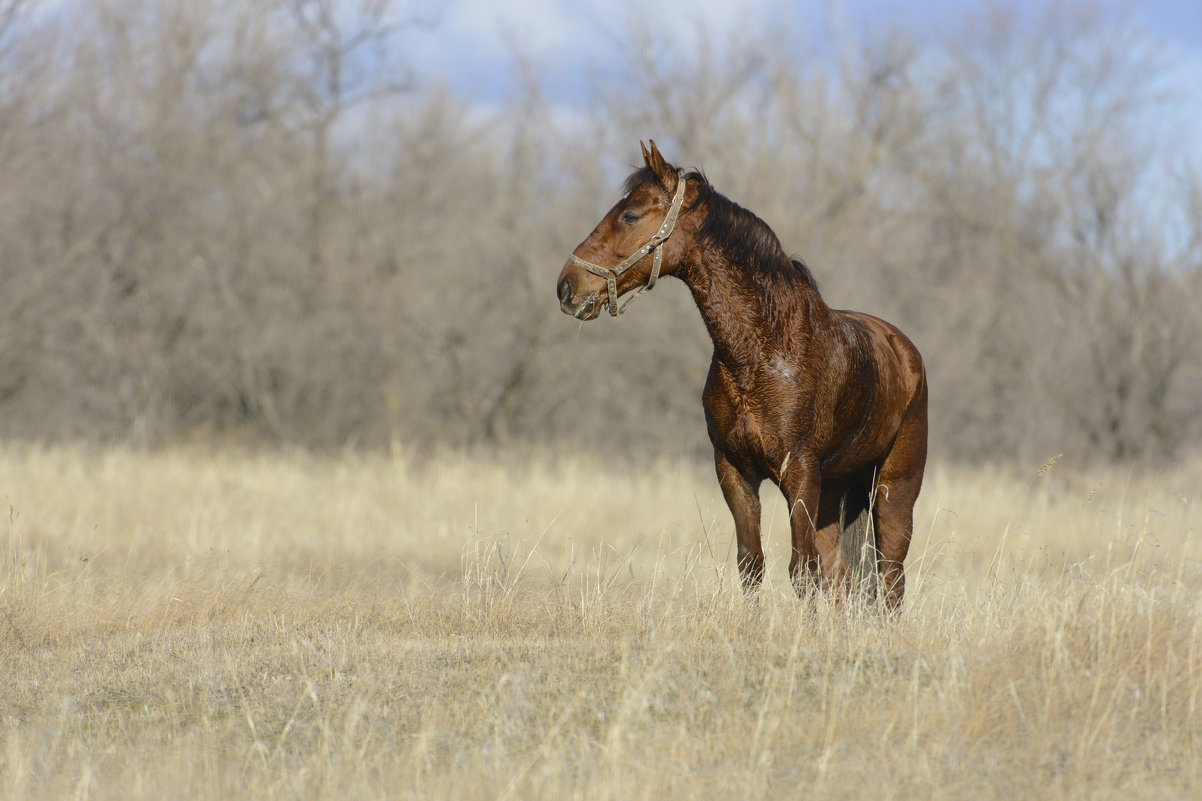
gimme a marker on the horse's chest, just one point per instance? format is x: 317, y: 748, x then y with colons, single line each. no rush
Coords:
x: 754, y: 429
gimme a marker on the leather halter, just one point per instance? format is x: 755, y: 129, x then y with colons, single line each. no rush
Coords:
x: 653, y: 246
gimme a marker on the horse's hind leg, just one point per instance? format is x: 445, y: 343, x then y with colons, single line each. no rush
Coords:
x: 894, y: 511
x: 897, y: 487
x: 743, y: 498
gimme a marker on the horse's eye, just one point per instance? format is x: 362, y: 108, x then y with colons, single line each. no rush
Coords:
x: 629, y: 217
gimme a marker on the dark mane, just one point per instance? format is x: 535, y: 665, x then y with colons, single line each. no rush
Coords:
x: 739, y: 234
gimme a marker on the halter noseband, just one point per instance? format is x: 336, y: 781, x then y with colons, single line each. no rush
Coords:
x: 653, y: 246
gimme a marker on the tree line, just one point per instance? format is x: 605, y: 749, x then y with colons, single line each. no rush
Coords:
x: 258, y: 218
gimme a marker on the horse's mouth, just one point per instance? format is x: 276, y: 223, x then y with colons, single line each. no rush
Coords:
x: 587, y: 309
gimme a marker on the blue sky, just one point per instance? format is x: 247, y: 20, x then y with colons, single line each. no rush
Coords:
x: 472, y: 44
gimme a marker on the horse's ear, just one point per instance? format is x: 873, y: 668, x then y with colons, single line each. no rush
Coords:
x: 646, y: 152
x: 659, y: 165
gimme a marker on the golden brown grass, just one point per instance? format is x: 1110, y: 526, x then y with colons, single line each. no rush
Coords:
x: 194, y: 623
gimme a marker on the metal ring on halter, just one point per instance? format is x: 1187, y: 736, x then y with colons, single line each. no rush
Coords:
x: 653, y: 245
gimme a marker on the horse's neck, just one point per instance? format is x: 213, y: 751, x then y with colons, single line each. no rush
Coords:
x: 750, y: 316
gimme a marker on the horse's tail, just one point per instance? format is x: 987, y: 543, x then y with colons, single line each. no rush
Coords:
x: 859, y: 540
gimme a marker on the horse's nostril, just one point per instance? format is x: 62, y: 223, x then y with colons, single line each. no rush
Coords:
x: 565, y: 290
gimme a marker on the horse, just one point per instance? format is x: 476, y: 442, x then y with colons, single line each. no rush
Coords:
x: 829, y: 405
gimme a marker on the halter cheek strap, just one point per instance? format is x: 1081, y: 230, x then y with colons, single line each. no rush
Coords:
x: 653, y: 246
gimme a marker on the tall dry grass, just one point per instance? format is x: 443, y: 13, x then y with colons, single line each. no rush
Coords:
x: 195, y: 623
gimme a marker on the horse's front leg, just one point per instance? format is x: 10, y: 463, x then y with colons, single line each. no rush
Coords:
x: 802, y: 485
x: 743, y: 497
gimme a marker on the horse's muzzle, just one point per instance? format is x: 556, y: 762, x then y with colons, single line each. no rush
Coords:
x: 586, y: 308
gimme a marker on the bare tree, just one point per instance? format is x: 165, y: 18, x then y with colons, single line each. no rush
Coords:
x: 223, y: 215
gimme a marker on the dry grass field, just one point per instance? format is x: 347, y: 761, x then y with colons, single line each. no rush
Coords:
x: 197, y: 623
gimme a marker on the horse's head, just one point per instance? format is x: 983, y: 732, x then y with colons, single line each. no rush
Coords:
x: 626, y: 249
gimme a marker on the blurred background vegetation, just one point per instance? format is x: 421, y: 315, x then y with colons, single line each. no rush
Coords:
x: 262, y: 220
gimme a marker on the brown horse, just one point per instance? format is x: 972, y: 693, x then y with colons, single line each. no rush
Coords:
x: 831, y: 406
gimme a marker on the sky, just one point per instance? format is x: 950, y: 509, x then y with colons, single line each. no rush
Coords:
x: 471, y: 45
